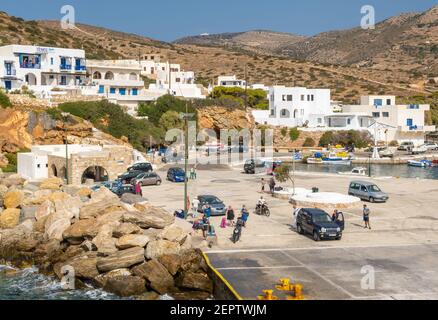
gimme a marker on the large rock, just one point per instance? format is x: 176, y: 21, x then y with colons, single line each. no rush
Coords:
x: 126, y: 228
x: 104, y: 241
x: 28, y: 212
x: 101, y: 280
x: 132, y: 198
x: 39, y: 197
x: 84, y: 266
x: 94, y: 209
x: 13, y: 199
x: 157, y: 276
x: 9, y: 218
x: 153, y: 218
x: 195, y: 281
x: 125, y: 286
x: 84, y: 192
x: 173, y: 233
x: 52, y: 184
x: 172, y: 262
x: 158, y: 248
x: 193, y: 260
x: 56, y: 224
x: 71, y: 204
x: 103, y: 194
x: 191, y: 295
x: 121, y: 259
x: 58, y: 196
x: 3, y: 191
x: 132, y: 240
x: 44, y: 209
x: 80, y: 230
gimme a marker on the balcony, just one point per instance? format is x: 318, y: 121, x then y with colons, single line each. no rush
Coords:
x: 30, y: 65
x: 416, y: 128
x: 80, y: 68
x: 65, y: 67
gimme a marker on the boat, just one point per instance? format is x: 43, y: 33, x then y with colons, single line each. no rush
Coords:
x: 359, y: 171
x: 422, y: 163
x: 332, y: 158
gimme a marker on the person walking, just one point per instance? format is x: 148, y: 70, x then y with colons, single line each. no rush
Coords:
x: 230, y: 216
x: 245, y: 215
x: 138, y: 189
x: 366, y: 216
x: 195, y: 206
x: 294, y: 217
x: 263, y: 183
x: 207, y: 211
x: 272, y: 185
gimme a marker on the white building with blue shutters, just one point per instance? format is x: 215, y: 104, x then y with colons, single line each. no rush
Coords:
x: 41, y: 68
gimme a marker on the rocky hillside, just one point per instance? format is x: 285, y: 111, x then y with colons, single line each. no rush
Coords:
x: 209, y: 62
x: 261, y: 41
x: 125, y: 246
x: 218, y: 118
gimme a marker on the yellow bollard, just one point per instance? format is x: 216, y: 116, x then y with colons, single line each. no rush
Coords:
x: 268, y: 295
x: 298, y: 293
x: 284, y: 285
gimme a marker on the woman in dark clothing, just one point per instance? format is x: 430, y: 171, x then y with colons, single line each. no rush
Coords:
x: 230, y: 216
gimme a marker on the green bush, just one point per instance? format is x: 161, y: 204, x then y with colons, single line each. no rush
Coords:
x: 4, y: 100
x: 156, y: 109
x: 294, y: 134
x: 111, y: 118
x: 256, y: 98
x: 360, y: 139
x: 283, y: 131
x: 309, y: 142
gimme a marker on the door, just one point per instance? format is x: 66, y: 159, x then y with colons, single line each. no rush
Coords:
x: 409, y: 122
x: 363, y: 193
x: 341, y: 221
x: 307, y: 223
x: 8, y: 84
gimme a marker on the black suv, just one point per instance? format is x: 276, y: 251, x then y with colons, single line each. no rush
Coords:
x: 320, y: 224
x: 128, y: 176
x: 143, y: 167
x: 251, y: 166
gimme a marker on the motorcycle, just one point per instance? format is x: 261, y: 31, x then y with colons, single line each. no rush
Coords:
x: 263, y: 210
x: 237, y: 232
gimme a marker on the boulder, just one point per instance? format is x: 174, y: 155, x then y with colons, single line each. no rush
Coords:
x: 157, y: 276
x: 125, y: 229
x: 149, y: 296
x: 132, y: 198
x: 40, y: 225
x: 132, y: 240
x: 191, y: 295
x: 52, y: 184
x: 13, y: 180
x: 125, y: 286
x: 84, y: 266
x: 158, y: 219
x: 87, y: 245
x: 27, y: 212
x: 103, y: 194
x: 84, y: 192
x: 104, y: 241
x: 3, y: 190
x: 44, y: 209
x: 80, y: 230
x: 9, y: 218
x: 193, y: 260
x: 28, y: 243
x: 39, y: 197
x: 101, y: 279
x: 30, y: 187
x: 195, y: 281
x: 173, y: 233
x: 121, y: 259
x: 172, y: 262
x: 58, y: 196
x: 111, y: 217
x: 158, y: 248
x: 13, y: 199
x: 94, y: 209
x: 71, y: 204
x: 55, y: 226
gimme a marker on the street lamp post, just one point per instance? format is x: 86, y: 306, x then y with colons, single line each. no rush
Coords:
x: 186, y: 117
x: 65, y: 115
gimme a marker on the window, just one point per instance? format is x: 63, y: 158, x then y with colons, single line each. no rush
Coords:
x: 378, y: 102
x: 376, y: 114
x: 101, y: 89
x: 177, y: 80
x: 63, y: 81
x: 47, y: 165
x: 272, y: 112
x: 284, y: 113
x: 312, y: 97
x: 134, y: 91
x: 388, y: 102
x: 385, y: 114
x: 112, y: 90
x: 302, y: 97
x: 286, y: 97
x: 122, y: 91
x: 51, y: 61
x: 38, y: 166
x: 349, y: 121
x: 319, y: 120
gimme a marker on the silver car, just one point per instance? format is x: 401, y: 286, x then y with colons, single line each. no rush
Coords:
x: 147, y: 179
x: 367, y: 191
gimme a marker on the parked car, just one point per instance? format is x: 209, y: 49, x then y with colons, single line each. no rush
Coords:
x: 107, y: 184
x: 218, y: 207
x: 419, y: 149
x: 367, y: 191
x: 406, y: 146
x: 147, y: 179
x: 176, y: 175
x: 386, y: 153
x: 141, y: 166
x: 319, y: 224
x: 122, y: 189
x: 128, y: 176
x: 431, y: 146
x: 251, y: 166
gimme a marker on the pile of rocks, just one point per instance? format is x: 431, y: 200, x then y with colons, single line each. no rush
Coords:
x: 125, y: 246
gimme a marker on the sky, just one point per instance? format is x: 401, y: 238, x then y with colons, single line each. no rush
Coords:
x: 168, y: 20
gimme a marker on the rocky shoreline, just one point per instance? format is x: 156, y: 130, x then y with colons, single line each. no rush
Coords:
x: 124, y: 246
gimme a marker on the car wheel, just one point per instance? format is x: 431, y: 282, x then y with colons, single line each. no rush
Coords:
x: 316, y: 236
x: 339, y: 238
x: 158, y: 182
x: 372, y: 200
x: 300, y: 229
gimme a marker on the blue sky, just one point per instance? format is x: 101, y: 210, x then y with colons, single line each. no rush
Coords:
x: 171, y: 19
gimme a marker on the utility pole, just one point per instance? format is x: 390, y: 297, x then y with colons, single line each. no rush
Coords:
x: 246, y: 87
x: 65, y: 115
x: 186, y: 117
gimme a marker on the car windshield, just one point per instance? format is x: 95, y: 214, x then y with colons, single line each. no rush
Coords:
x: 212, y: 200
x: 374, y: 188
x: 179, y: 171
x: 321, y: 217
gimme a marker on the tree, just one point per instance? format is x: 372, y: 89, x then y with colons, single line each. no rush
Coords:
x: 171, y: 120
x: 294, y: 134
x: 4, y: 100
x: 283, y: 174
x: 309, y: 142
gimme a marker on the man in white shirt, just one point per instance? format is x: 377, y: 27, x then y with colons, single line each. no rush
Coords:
x: 195, y: 205
x: 294, y: 217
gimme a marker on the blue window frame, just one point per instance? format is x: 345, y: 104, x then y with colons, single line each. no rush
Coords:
x: 101, y: 89
x: 63, y: 80
x: 51, y: 61
x: 134, y: 92
x: 378, y: 102
x: 122, y: 91
x: 8, y: 85
x: 112, y: 90
x: 409, y: 122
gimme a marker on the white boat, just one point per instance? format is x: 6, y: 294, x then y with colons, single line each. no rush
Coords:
x: 359, y: 171
x: 314, y: 160
x: 421, y: 163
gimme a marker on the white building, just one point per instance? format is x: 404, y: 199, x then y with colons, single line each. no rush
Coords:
x: 383, y: 117
x: 295, y: 107
x: 230, y: 81
x: 41, y: 68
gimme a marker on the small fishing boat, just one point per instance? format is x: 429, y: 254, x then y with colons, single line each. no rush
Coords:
x: 359, y: 171
x: 421, y: 164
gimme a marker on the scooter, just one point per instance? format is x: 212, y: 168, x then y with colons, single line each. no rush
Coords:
x: 263, y: 210
x: 237, y: 232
